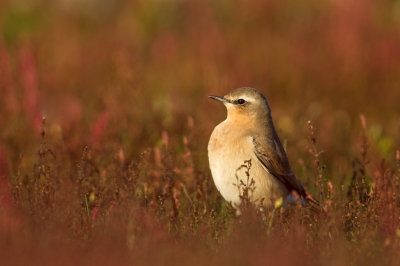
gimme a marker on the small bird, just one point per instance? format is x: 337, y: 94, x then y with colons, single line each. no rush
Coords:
x: 246, y: 146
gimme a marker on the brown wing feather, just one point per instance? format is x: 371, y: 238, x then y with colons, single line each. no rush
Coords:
x: 276, y: 163
x: 272, y: 156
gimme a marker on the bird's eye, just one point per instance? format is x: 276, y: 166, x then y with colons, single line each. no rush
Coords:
x: 241, y: 101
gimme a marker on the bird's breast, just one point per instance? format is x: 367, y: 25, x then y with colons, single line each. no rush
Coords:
x: 234, y: 163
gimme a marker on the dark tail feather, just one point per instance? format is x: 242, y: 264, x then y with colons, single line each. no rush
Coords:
x: 315, y: 205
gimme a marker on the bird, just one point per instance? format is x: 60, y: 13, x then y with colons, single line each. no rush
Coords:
x: 246, y: 155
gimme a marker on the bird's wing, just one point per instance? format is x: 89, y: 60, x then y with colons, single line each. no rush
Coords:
x: 274, y: 160
x: 272, y: 156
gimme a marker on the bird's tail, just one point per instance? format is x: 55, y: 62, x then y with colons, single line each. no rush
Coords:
x: 315, y: 205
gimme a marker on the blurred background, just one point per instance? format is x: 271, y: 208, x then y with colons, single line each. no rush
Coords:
x: 129, y: 80
x: 128, y: 75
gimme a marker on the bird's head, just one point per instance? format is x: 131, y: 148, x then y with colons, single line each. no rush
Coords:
x: 244, y: 103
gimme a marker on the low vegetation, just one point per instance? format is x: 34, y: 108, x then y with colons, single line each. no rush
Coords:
x: 105, y: 120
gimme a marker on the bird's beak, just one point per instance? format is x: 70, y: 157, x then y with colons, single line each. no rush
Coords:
x: 218, y: 98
